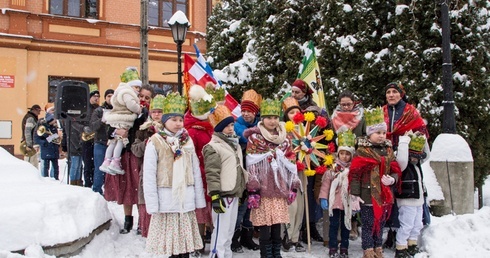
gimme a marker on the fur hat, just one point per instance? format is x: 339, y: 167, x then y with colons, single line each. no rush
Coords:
x: 375, y: 121
x: 300, y: 84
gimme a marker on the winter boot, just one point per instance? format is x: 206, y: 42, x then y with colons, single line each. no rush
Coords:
x: 276, y: 250
x: 332, y: 253
x: 390, y: 239
x: 236, y: 247
x: 266, y: 249
x: 75, y: 182
x: 402, y: 253
x: 115, y: 166
x: 286, y: 243
x: 344, y: 253
x: 369, y: 253
x: 105, y: 166
x: 354, y: 232
x: 299, y: 248
x: 379, y: 252
x: 412, y: 247
x: 186, y: 255
x: 128, y: 225
x: 246, y: 239
x: 314, y: 234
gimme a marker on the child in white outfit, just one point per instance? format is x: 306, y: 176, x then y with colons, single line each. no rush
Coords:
x: 126, y: 108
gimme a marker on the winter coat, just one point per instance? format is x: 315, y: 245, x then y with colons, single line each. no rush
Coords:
x: 269, y: 181
x: 125, y: 107
x: 223, y: 164
x: 307, y: 102
x: 325, y: 190
x: 240, y: 127
x: 157, y: 182
x: 200, y: 131
x: 49, y: 150
x: 97, y: 126
x: 29, y: 123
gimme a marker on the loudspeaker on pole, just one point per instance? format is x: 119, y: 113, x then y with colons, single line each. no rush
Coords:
x: 72, y: 101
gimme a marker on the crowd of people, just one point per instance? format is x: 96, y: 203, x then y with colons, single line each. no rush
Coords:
x: 199, y: 175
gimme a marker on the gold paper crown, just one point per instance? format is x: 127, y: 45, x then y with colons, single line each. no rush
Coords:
x: 93, y: 87
x: 174, y: 104
x: 253, y: 96
x: 270, y: 107
x: 417, y: 141
x: 346, y: 138
x: 374, y: 116
x: 219, y: 114
x: 217, y: 93
x: 157, y: 102
x: 289, y: 102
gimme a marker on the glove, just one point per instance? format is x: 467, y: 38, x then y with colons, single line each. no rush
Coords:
x: 387, y: 180
x: 324, y: 203
x: 292, y: 196
x: 404, y: 139
x: 253, y: 200
x: 356, y: 204
x: 87, y: 130
x: 217, y: 203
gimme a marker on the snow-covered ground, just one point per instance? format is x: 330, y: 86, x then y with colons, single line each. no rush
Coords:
x: 40, y: 211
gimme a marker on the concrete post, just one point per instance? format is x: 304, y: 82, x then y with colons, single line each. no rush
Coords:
x: 452, y: 163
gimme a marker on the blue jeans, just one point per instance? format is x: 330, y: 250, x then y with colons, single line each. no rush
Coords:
x: 99, y: 176
x: 243, y: 217
x: 76, y: 168
x: 54, y: 168
x: 41, y: 165
x: 335, y: 221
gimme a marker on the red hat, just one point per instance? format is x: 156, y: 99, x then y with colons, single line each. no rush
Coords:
x: 300, y: 84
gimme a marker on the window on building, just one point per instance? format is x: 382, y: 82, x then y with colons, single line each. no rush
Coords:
x: 53, y: 82
x: 160, y: 11
x: 75, y: 8
x: 164, y: 86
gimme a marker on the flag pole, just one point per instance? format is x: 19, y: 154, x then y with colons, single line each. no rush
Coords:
x: 307, y: 214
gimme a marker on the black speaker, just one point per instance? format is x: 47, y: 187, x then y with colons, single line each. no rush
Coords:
x: 72, y: 101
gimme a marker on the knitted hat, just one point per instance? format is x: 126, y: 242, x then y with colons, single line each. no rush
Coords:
x: 300, y: 84
x: 220, y: 117
x: 346, y: 141
x: 107, y: 92
x: 157, y: 102
x: 173, y: 105
x: 131, y: 77
x: 49, y: 117
x: 397, y: 86
x: 375, y: 121
x: 200, y: 102
x: 270, y: 107
x: 93, y: 89
x: 251, y: 101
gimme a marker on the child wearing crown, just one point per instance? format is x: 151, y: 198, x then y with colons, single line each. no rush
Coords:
x: 125, y: 109
x: 335, y: 191
x: 372, y: 173
x: 412, y: 152
x: 172, y: 185
x: 225, y: 177
x: 273, y: 179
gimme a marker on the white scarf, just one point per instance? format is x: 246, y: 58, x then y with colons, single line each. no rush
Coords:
x: 341, y: 180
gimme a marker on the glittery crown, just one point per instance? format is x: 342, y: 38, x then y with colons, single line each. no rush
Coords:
x: 417, y: 141
x: 219, y: 114
x: 374, y: 116
x: 346, y: 138
x: 288, y: 103
x: 270, y: 107
x: 174, y: 104
x: 157, y: 102
x: 217, y: 93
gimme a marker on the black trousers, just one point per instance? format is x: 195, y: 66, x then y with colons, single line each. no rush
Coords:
x: 88, y: 163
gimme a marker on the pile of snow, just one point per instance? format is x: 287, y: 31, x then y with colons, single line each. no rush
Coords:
x: 43, y: 211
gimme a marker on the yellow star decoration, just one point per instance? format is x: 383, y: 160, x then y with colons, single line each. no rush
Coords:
x: 306, y: 143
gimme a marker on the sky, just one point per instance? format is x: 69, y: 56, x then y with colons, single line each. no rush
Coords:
x: 39, y: 211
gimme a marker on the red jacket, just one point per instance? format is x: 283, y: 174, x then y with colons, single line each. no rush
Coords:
x: 200, y: 131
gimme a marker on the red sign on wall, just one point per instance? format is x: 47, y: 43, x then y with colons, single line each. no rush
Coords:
x: 7, y: 81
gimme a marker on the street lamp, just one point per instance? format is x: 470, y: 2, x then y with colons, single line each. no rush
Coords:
x: 178, y: 24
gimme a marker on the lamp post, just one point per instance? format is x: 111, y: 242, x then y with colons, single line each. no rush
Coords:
x: 448, y: 121
x: 178, y: 24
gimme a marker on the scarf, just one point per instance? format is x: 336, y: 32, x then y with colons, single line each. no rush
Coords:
x: 276, y: 139
x: 368, y: 161
x: 345, y: 120
x: 341, y: 180
x: 180, y: 145
x: 410, y: 120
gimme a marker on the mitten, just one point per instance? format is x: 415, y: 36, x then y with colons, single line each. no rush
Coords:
x: 324, y: 203
x: 404, y: 139
x: 387, y: 180
x: 292, y: 196
x: 217, y: 203
x: 356, y: 204
x: 253, y: 200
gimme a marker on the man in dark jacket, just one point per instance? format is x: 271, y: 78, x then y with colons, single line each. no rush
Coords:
x: 98, y: 126
x: 29, y: 124
x: 88, y: 140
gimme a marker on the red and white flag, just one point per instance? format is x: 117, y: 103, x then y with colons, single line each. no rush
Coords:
x: 194, y: 74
